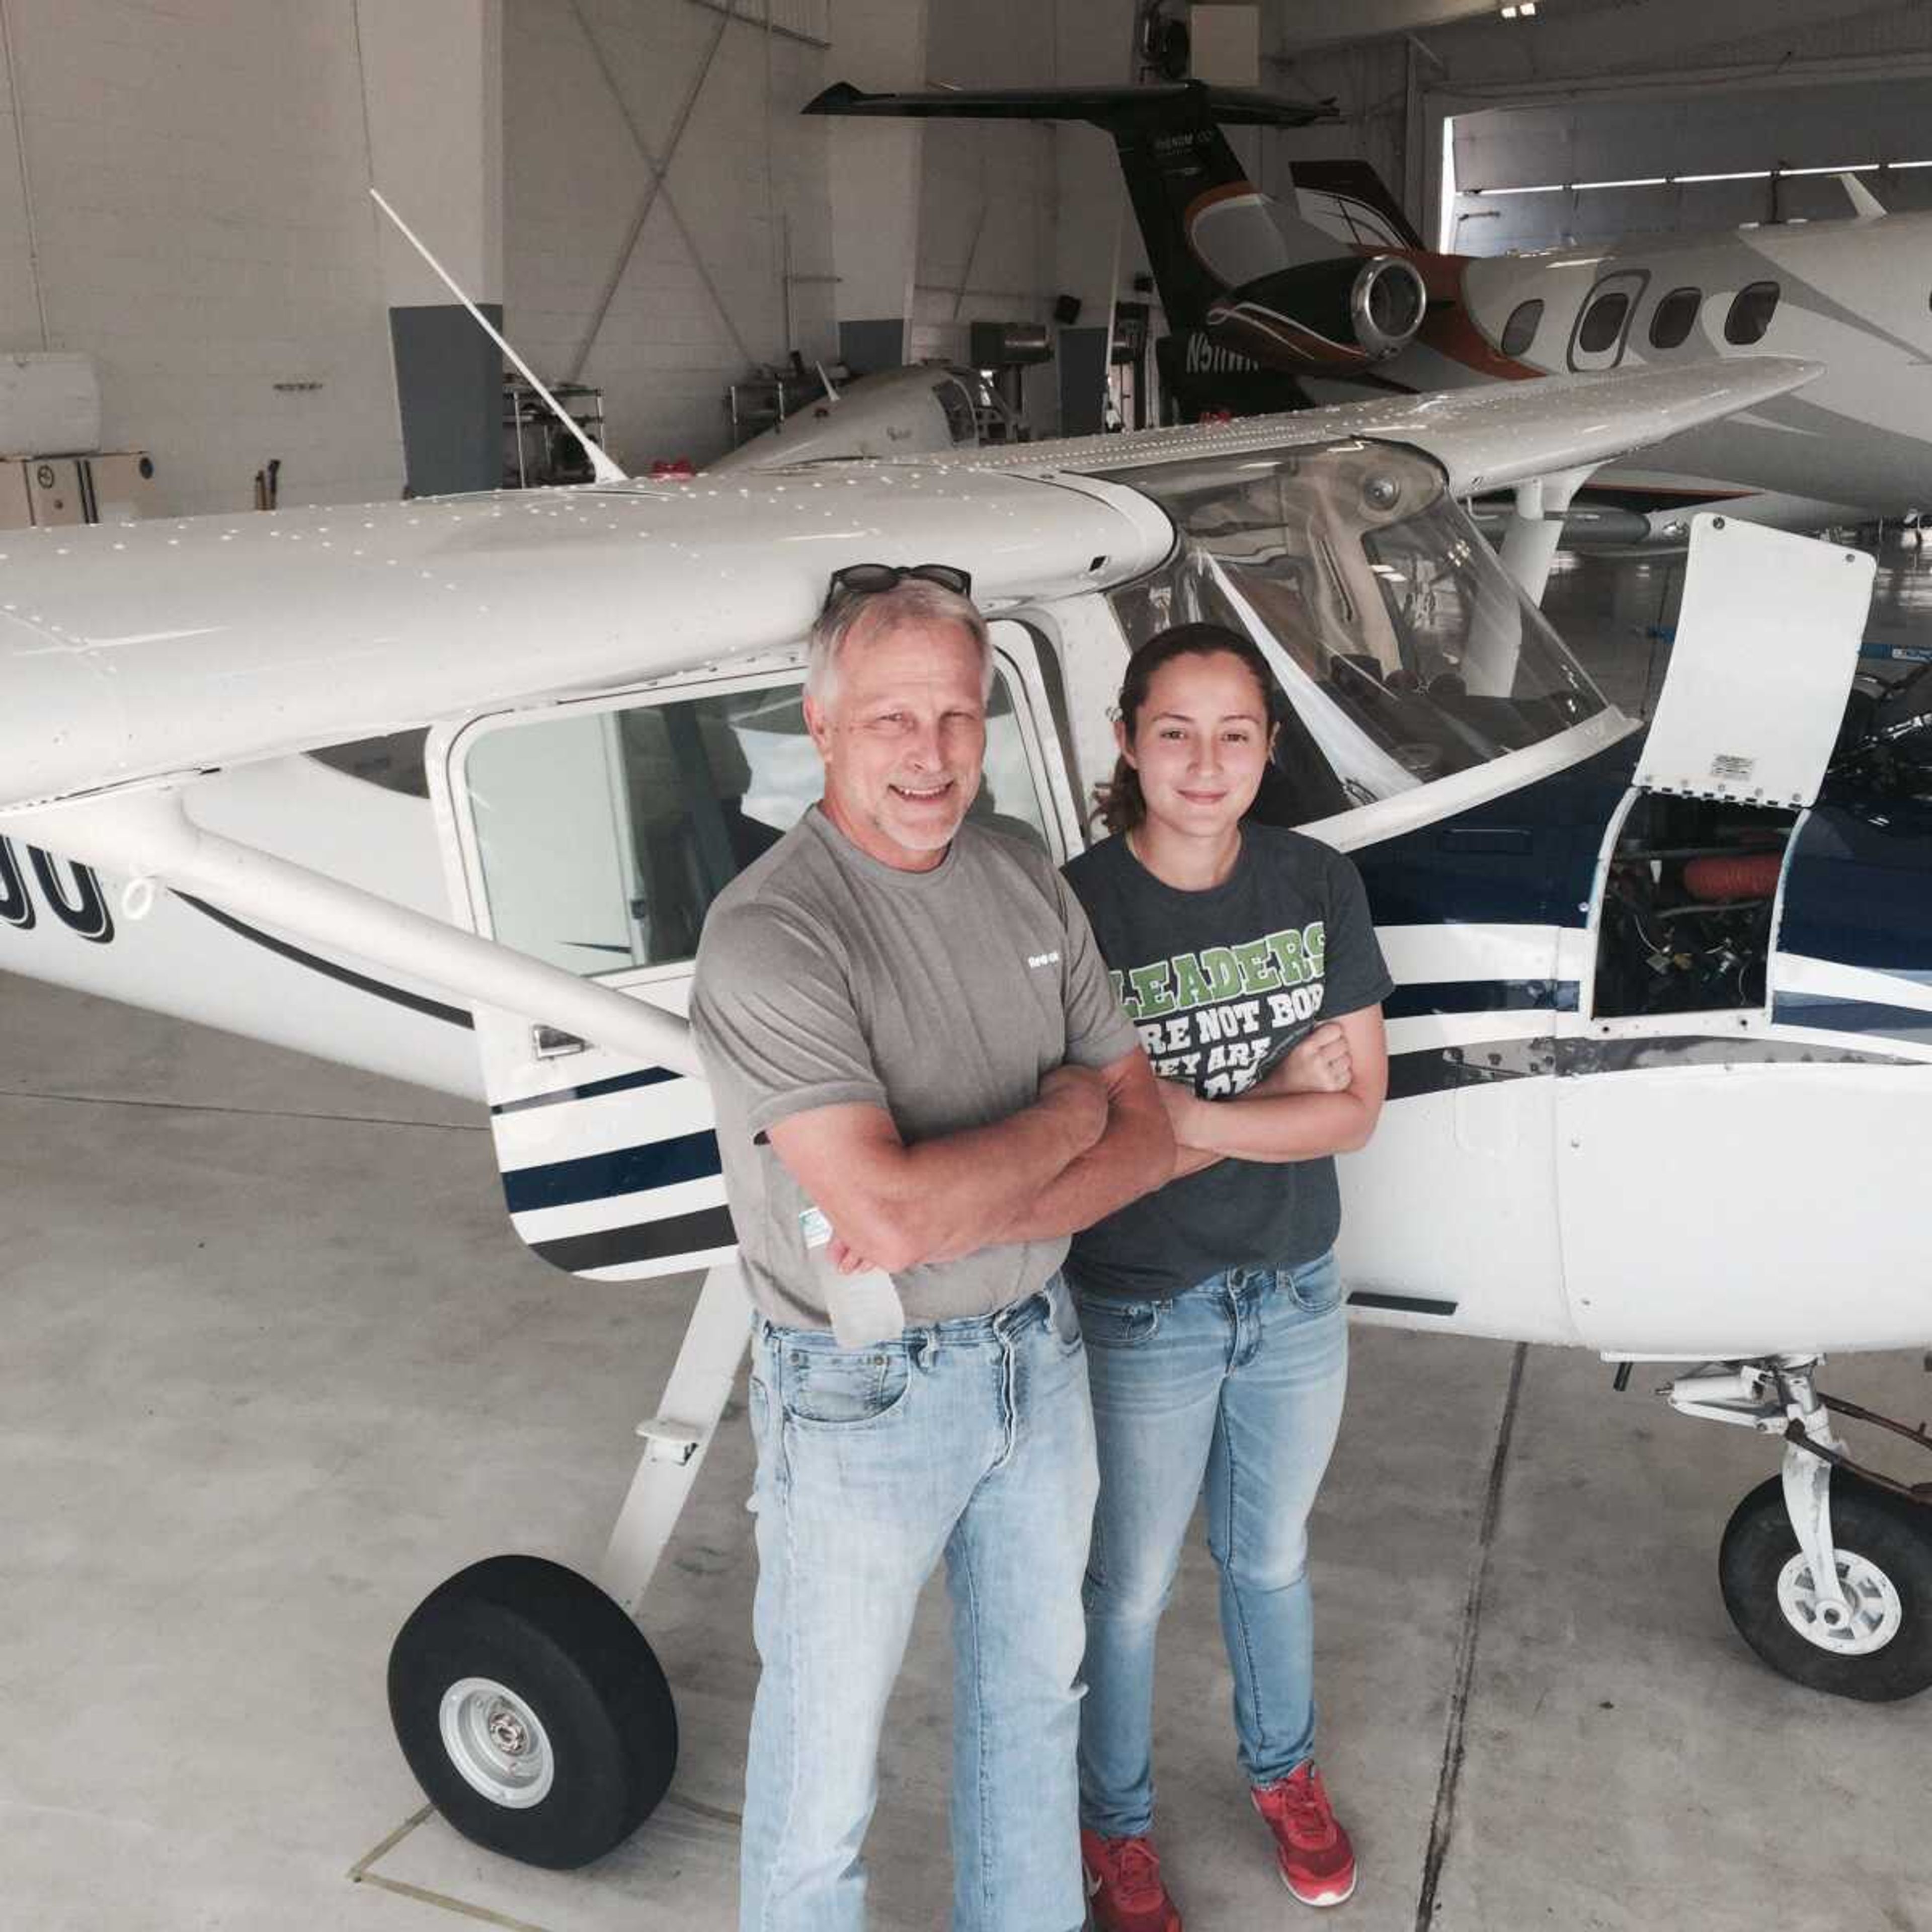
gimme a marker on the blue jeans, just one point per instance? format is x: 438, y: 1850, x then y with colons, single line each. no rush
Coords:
x: 971, y: 1440
x: 1238, y: 1379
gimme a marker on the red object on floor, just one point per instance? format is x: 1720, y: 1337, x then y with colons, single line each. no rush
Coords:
x: 1317, y: 1862
x: 1124, y: 1890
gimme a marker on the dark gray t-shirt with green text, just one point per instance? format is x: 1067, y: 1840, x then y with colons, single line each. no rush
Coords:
x: 826, y: 978
x: 1221, y: 984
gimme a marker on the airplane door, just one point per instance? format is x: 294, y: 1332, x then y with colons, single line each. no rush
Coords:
x: 1684, y: 1110
x: 594, y: 835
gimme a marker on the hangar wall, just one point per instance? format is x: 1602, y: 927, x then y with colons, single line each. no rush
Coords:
x: 183, y: 195
x: 1849, y: 123
x: 1395, y: 93
x: 987, y: 215
x: 704, y: 293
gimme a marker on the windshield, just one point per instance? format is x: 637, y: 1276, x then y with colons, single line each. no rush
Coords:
x: 1405, y: 650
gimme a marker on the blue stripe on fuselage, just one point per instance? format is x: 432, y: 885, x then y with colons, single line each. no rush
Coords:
x: 1528, y: 858
x: 631, y: 1170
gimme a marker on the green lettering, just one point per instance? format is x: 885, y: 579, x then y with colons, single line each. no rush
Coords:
x: 1314, y: 943
x: 1132, y: 1008
x: 1190, y: 983
x: 1257, y: 975
x: 1224, y: 976
x: 1149, y: 985
x: 1286, y: 947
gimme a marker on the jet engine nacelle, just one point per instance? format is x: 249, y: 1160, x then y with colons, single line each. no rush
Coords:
x: 1332, y: 316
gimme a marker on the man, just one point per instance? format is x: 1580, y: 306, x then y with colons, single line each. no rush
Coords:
x: 908, y: 1032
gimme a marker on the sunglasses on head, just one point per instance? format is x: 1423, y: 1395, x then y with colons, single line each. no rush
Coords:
x: 866, y: 579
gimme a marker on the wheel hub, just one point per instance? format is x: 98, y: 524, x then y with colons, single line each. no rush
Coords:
x: 1867, y: 1620
x: 497, y: 1742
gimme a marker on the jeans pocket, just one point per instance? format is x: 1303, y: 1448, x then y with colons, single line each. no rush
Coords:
x: 1110, y: 1324
x: 1317, y: 1288
x: 844, y: 1388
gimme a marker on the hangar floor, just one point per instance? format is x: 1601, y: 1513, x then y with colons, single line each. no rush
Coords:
x: 275, y: 1366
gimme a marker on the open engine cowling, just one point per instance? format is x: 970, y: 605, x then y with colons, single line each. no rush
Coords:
x: 1335, y: 315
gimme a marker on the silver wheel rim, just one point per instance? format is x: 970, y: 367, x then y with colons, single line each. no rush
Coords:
x: 497, y: 1742
x: 1876, y: 1613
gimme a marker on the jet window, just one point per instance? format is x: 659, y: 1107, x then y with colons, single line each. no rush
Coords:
x: 1519, y: 331
x: 605, y: 834
x: 1749, y: 314
x: 1404, y: 651
x: 1604, y: 323
x: 1672, y: 320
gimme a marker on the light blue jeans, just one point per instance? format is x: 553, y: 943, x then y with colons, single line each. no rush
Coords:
x: 971, y: 1440
x: 1238, y: 1380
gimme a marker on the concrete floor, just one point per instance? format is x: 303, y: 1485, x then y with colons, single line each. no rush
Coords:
x: 275, y: 1365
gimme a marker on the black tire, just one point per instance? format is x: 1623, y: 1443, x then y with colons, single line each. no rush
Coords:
x: 581, y: 1667
x: 1887, y: 1531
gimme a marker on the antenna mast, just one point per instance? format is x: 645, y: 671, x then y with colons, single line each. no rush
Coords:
x: 602, y: 466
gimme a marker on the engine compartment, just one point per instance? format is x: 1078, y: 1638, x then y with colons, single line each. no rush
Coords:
x: 1686, y: 922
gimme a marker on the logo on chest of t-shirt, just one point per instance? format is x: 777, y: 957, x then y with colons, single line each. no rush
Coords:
x: 1219, y: 1017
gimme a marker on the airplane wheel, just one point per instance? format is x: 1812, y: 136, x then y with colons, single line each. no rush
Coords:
x: 533, y: 1712
x: 1884, y: 1651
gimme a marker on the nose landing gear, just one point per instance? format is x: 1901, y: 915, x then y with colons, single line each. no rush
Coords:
x: 1826, y: 1568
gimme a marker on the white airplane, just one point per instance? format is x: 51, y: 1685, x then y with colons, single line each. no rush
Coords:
x: 1329, y: 296
x: 923, y: 408
x: 443, y: 789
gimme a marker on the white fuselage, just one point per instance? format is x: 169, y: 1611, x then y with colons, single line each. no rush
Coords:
x: 1852, y: 296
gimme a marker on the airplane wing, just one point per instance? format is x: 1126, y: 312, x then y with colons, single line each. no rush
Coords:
x: 135, y: 653
x: 1485, y: 438
x: 141, y: 651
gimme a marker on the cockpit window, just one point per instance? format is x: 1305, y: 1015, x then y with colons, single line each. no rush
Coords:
x: 1405, y: 650
x: 961, y: 425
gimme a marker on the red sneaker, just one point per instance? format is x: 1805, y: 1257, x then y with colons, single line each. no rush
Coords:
x: 1124, y: 1889
x: 1318, y: 1863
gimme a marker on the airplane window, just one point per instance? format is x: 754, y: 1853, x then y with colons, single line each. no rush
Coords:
x: 1604, y: 322
x: 1671, y: 320
x: 1750, y: 312
x: 1519, y: 331
x: 1404, y: 651
x: 960, y: 423
x: 605, y: 834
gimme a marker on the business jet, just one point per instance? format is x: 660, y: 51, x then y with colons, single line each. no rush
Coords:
x: 362, y: 782
x: 1274, y: 306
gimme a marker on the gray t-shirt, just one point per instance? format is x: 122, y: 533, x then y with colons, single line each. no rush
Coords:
x: 825, y: 977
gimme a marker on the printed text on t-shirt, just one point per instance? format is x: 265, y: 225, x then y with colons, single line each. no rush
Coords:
x: 1215, y: 1017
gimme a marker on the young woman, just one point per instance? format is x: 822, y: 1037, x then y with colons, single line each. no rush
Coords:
x: 1216, y: 1342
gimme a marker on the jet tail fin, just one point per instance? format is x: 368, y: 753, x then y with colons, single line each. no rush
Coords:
x: 1349, y: 201
x: 1206, y: 227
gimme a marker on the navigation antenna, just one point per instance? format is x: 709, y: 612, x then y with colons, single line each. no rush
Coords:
x: 602, y: 466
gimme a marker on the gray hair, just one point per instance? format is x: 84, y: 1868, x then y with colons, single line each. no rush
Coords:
x: 912, y: 601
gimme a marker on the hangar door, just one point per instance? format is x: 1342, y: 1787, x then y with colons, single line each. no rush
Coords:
x: 1584, y: 171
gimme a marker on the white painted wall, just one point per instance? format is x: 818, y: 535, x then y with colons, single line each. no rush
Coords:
x: 197, y: 174
x: 435, y: 74
x: 990, y: 187
x: 747, y: 164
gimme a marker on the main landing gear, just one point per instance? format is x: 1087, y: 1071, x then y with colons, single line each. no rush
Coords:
x: 1826, y: 1569
x: 531, y: 1709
